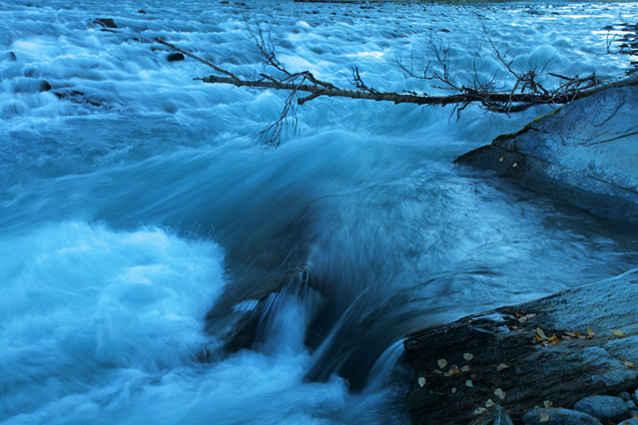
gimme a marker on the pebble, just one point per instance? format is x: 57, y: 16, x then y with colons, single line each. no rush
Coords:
x: 631, y: 404
x: 625, y: 396
x: 558, y: 416
x: 632, y: 421
x: 636, y: 396
x: 604, y: 408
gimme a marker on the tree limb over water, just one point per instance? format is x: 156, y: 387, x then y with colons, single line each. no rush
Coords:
x: 527, y: 90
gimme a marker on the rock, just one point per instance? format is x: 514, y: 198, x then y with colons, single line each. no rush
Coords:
x: 635, y: 396
x: 558, y: 416
x: 625, y: 396
x: 45, y: 86
x: 106, y: 22
x: 632, y: 421
x: 585, y: 153
x: 494, y: 415
x: 142, y: 11
x: 507, y: 355
x: 631, y: 405
x: 604, y: 408
x: 174, y: 57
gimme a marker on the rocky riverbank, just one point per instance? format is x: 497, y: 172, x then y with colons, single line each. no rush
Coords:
x: 569, y: 358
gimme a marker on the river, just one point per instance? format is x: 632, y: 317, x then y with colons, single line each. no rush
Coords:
x: 133, y: 200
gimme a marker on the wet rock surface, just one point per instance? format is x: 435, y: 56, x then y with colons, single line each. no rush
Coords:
x: 549, y: 352
x: 585, y: 153
x: 558, y: 416
x: 604, y: 408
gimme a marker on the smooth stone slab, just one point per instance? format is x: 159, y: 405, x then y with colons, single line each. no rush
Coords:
x: 585, y: 153
x: 604, y: 408
x: 558, y: 416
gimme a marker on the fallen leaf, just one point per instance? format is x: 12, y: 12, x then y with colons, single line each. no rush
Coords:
x: 544, y: 417
x: 572, y: 334
x: 540, y: 333
x: 618, y: 333
x: 469, y: 383
x: 629, y: 364
x: 473, y: 376
x: 501, y: 159
x: 479, y: 410
x: 548, y: 404
x: 421, y: 381
x: 500, y: 393
x: 502, y: 366
x: 454, y: 370
x: 489, y: 403
x: 454, y: 390
x: 590, y: 331
x: 468, y: 356
x: 465, y: 368
x: 526, y: 317
x: 442, y: 363
x: 438, y: 372
x: 566, y: 338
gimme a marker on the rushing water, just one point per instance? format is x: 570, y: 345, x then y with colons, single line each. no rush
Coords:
x: 131, y: 204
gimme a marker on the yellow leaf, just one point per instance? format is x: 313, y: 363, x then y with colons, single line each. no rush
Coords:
x: 469, y: 383
x: 629, y: 364
x: 468, y: 356
x: 500, y: 393
x: 421, y: 381
x: 442, y: 363
x: 548, y: 404
x: 454, y: 369
x: 489, y: 403
x: 572, y: 334
x: 544, y: 417
x: 618, y: 333
x: 540, y: 333
x: 590, y: 331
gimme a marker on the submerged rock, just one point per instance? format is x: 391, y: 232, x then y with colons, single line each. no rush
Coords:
x: 554, y: 350
x: 174, y: 57
x: 106, y: 22
x: 585, y: 153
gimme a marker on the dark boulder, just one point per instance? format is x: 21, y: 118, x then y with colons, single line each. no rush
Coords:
x: 551, y: 351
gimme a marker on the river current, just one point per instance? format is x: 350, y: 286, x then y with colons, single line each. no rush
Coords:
x: 133, y: 196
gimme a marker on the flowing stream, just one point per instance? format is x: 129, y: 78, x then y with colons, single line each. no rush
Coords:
x: 133, y: 198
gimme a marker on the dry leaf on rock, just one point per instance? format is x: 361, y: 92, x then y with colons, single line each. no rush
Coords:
x: 540, y: 334
x: 442, y: 363
x: 544, y: 417
x: 500, y: 393
x: 501, y: 366
x: 421, y: 381
x: 629, y: 364
x: 489, y: 403
x: 468, y: 356
x: 465, y: 368
x: 479, y: 410
x: 618, y: 333
x: 469, y: 383
x: 548, y: 404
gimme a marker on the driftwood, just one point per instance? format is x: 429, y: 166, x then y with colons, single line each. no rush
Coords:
x: 558, y: 349
x: 531, y: 93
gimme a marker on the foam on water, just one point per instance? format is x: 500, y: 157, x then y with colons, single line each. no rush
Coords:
x: 131, y: 199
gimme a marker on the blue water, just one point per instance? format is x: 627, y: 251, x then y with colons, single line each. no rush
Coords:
x: 129, y: 206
